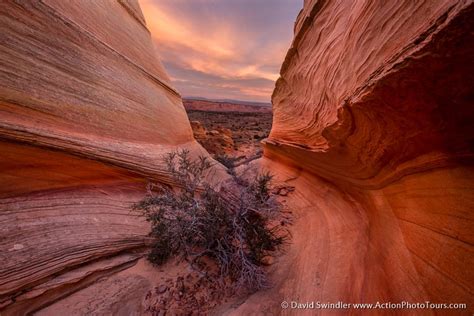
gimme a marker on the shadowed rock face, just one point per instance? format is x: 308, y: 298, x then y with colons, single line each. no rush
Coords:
x: 374, y: 112
x: 86, y: 112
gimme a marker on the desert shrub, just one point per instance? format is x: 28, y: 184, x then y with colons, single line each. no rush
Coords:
x: 226, y: 160
x: 237, y: 227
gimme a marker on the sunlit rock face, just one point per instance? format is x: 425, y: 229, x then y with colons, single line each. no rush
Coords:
x: 374, y: 112
x: 86, y: 113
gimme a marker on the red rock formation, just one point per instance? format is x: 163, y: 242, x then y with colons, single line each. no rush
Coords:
x: 86, y: 112
x: 216, y: 142
x: 375, y: 100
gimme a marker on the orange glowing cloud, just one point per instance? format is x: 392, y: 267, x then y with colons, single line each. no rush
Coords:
x: 223, y: 49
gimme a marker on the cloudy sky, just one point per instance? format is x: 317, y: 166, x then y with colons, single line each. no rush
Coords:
x: 222, y: 49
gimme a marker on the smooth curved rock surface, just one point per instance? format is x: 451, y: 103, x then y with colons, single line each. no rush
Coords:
x: 367, y: 90
x: 373, y: 113
x: 389, y: 245
x: 86, y: 113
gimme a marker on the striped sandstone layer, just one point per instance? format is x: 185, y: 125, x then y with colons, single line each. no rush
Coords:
x: 373, y: 126
x: 86, y: 113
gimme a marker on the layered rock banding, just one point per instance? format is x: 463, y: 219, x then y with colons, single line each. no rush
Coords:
x: 86, y: 113
x: 374, y: 111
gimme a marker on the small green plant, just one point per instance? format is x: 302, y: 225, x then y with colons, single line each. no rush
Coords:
x: 236, y: 227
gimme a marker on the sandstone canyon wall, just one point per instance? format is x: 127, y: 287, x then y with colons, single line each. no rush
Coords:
x: 86, y: 112
x: 373, y: 121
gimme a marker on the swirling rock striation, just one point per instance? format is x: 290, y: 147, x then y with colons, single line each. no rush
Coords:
x: 373, y: 113
x: 86, y: 113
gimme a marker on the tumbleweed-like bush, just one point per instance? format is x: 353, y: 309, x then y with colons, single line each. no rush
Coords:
x: 236, y: 227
